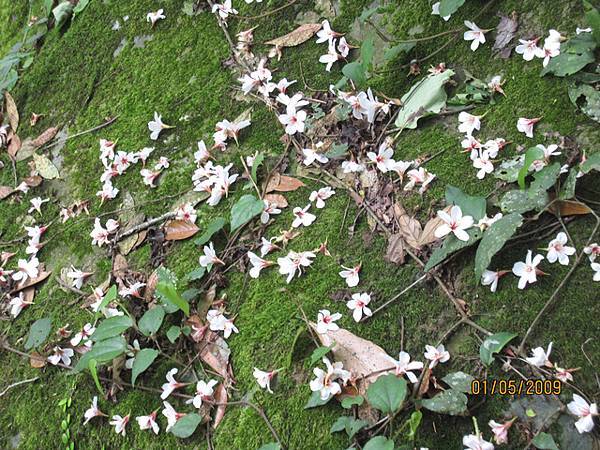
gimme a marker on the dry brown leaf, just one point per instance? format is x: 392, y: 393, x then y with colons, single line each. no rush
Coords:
x: 151, y: 283
x: 120, y: 266
x: 33, y: 181
x: 32, y: 282
x: 283, y: 183
x: 14, y: 145
x: 395, y: 251
x: 569, y: 208
x: 215, y: 352
x: 5, y: 191
x: 11, y: 111
x: 301, y: 34
x: 428, y: 234
x: 410, y: 228
x: 45, y: 137
x: 36, y: 360
x: 360, y: 356
x: 177, y: 230
x: 221, y: 398
x: 277, y: 199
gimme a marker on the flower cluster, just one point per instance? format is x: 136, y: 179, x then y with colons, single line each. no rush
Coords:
x: 551, y: 48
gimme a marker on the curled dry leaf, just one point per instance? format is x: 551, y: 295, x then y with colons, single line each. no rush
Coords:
x: 277, y: 199
x: 300, y: 35
x: 5, y: 191
x: 14, y: 145
x: 32, y: 282
x: 395, y: 251
x: 45, y: 137
x: 363, y: 358
x: 177, y: 230
x: 221, y: 398
x: 283, y: 183
x: 410, y: 228
x: 428, y: 234
x: 215, y: 352
x: 33, y: 181
x: 120, y: 266
x: 36, y: 360
x: 11, y: 111
x: 151, y: 286
x: 569, y: 208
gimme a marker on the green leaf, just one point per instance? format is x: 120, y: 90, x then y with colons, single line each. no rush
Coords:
x: 393, y: 52
x: 38, y: 333
x: 213, y: 227
x: 356, y: 72
x: 110, y: 296
x: 567, y: 190
x: 544, y: 441
x: 196, y: 274
x: 271, y: 446
x: 62, y: 12
x: 591, y: 104
x: 173, y: 333
x: 348, y: 424
x: 143, y: 359
x: 170, y: 294
x: 315, y: 400
x: 544, y: 179
x: 257, y: 162
x: 519, y: 201
x: 102, y: 352
x: 247, y: 207
x: 450, y: 402
x: 367, y: 50
x: 379, y: 443
x: 318, y: 354
x: 337, y: 151
x: 452, y: 244
x: 592, y: 16
x: 426, y: 97
x: 592, y: 163
x: 574, y: 55
x: 93, y: 368
x: 350, y: 401
x: 459, y: 381
x: 80, y: 7
x: 494, y: 344
x: 186, y: 426
x: 532, y: 154
x: 494, y: 239
x: 48, y: 6
x: 387, y: 393
x: 469, y: 205
x: 151, y: 320
x: 413, y: 424
x: 113, y: 326
x: 449, y: 7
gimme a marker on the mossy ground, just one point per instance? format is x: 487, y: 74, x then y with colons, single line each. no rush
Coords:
x: 77, y: 81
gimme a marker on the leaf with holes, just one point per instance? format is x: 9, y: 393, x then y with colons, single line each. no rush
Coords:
x: 143, y: 359
x: 520, y: 201
x: 450, y: 402
x: 494, y: 239
x: 460, y: 381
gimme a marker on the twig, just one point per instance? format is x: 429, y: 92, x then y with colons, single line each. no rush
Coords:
x: 265, y: 14
x: 18, y: 383
x: 250, y: 177
x: 81, y: 133
x: 397, y: 296
x: 143, y: 226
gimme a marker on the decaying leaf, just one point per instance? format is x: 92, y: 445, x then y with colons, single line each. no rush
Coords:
x: 45, y: 167
x: 45, y: 137
x: 221, y: 398
x: 36, y: 360
x: 11, y: 111
x: 395, y: 251
x: 5, y: 191
x: 120, y: 266
x: 410, y: 228
x: 32, y: 282
x: 151, y: 286
x: 505, y: 31
x: 301, y: 34
x: 283, y: 183
x: 277, y: 199
x: 14, y: 145
x: 360, y: 356
x: 215, y: 352
x: 177, y: 230
x: 569, y: 208
x: 33, y: 181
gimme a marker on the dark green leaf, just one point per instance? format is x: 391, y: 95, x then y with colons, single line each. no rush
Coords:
x: 393, y: 52
x: 214, y: 226
x: 110, y: 296
x: 143, y: 359
x: 356, y: 72
x: 151, y: 320
x: 173, y: 333
x: 348, y: 424
x: 257, y: 162
x: 337, y: 151
x: 591, y: 103
x: 318, y: 354
x: 520, y: 202
x: 81, y: 5
x: 413, y: 423
x: 494, y: 344
x: 315, y: 401
x: 367, y: 49
x: 532, y: 154
x: 459, y: 381
x: 196, y: 274
x: 387, y: 393
x: 592, y: 16
x: 544, y: 179
x: 494, y: 239
x: 469, y: 205
x: 379, y: 443
x: 170, y: 294
x: 186, y: 426
x: 574, y: 55
x: 450, y: 402
x: 592, y: 163
x: 247, y: 207
x: 62, y: 12
x: 111, y: 327
x: 38, y: 333
x: 449, y: 7
x: 544, y: 441
x: 452, y: 244
x: 271, y: 446
x: 567, y: 190
x: 102, y: 352
x: 350, y: 401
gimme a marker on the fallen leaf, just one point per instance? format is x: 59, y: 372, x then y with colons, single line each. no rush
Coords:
x: 45, y: 137
x: 14, y: 145
x: 177, y: 230
x: 5, y: 191
x: 215, y: 352
x: 410, y: 228
x: 505, y: 32
x: 130, y: 242
x: 34, y: 119
x: 45, y: 167
x: 33, y: 181
x: 569, y: 208
x: 428, y: 234
x: 360, y: 356
x: 395, y: 251
x: 11, y: 111
x: 36, y: 360
x: 120, y: 266
x: 301, y: 34
x: 151, y: 286
x: 220, y: 397
x: 32, y: 282
x: 283, y: 183
x: 277, y: 199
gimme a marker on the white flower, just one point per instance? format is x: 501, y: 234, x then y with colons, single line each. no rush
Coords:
x: 156, y: 126
x: 350, y: 274
x: 310, y: 156
x: 218, y: 322
x: 593, y: 251
x: 343, y: 47
x: 154, y: 17
x: 454, y: 223
x: 186, y: 212
x: 490, y: 278
x: 303, y: 217
x: 473, y: 442
x: 352, y: 167
x: 436, y: 355
x: 257, y: 264
x: 144, y: 154
x: 548, y: 51
x: 26, y: 270
x: 486, y: 222
x: 326, y: 382
x: 171, y: 384
x: 204, y: 391
x: 82, y: 335
x: 495, y: 85
x: 482, y: 161
x: 435, y: 11
x: 61, y: 355
x: 202, y: 155
x: 133, y: 290
x: 326, y: 321
x: 266, y: 247
x: 596, y: 268
x: 468, y: 123
x: 525, y: 125
x: 293, y: 120
x: 269, y: 208
x: 326, y: 34
x: 558, y: 251
x: 359, y: 304
x: 108, y: 191
x: 383, y: 158
x: 475, y: 34
x: 583, y: 30
x: 119, y: 423
x: 294, y: 262
x: 17, y: 304
x: 163, y: 163
x: 264, y: 378
x: 526, y: 271
x: 419, y: 176
x: 77, y: 276
x: 528, y: 48
x: 540, y: 357
x: 585, y: 413
x: 92, y: 411
x: 500, y: 430
x: 405, y: 367
x: 294, y: 102
x: 148, y: 422
x: 210, y: 256
x: 224, y: 9
x: 321, y: 195
x: 171, y: 415
x: 36, y: 204
x: 331, y: 57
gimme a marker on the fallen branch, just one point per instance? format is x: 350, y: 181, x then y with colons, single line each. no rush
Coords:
x: 18, y: 383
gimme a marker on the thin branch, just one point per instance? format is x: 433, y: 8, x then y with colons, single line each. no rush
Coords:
x: 18, y: 383
x: 397, y: 296
x: 81, y: 133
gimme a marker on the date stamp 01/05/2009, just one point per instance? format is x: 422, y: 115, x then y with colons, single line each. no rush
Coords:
x: 516, y: 387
